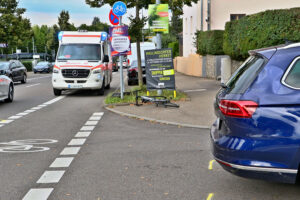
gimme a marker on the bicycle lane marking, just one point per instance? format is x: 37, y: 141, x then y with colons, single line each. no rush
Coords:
x: 64, y: 160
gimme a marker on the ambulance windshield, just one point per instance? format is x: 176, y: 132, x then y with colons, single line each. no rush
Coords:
x: 79, y: 52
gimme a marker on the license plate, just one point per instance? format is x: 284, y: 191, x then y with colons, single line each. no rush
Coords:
x: 75, y: 86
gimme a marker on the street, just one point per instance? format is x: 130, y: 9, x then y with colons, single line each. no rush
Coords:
x: 70, y: 147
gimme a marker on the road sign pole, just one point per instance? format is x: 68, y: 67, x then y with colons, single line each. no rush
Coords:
x: 158, y: 46
x: 121, y: 70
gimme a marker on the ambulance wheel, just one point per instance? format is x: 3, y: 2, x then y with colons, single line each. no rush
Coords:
x: 56, y: 92
x: 101, y: 90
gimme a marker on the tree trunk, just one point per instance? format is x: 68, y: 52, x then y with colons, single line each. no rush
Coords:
x: 138, y: 48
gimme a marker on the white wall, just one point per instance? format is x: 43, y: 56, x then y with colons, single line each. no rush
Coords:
x: 220, y: 14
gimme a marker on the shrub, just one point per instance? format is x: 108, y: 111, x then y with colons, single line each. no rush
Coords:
x: 209, y: 42
x: 175, y: 48
x: 265, y: 29
x: 28, y: 65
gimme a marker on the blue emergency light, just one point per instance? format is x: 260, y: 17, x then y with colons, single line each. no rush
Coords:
x: 60, y: 35
x: 103, y: 36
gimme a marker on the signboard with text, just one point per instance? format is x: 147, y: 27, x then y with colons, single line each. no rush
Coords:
x: 119, y: 40
x: 159, y: 18
x: 160, y: 72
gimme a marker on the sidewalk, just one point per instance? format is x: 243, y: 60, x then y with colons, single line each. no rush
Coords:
x: 197, y: 112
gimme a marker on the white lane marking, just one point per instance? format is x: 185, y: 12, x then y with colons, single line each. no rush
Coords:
x: 36, y: 108
x: 62, y: 162
x: 87, y: 128
x: 29, y: 111
x: 196, y: 90
x: 83, y: 134
x: 38, y: 194
x: 95, y: 118
x: 15, y: 117
x: 32, y: 85
x: 70, y: 151
x: 51, y: 177
x: 91, y: 123
x: 38, y: 78
x: 77, y: 142
x: 6, y: 121
x: 1, y: 125
x: 42, y: 105
x: 98, y: 114
x: 54, y: 100
x: 22, y: 114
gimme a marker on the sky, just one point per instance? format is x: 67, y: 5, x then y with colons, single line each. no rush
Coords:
x: 46, y: 12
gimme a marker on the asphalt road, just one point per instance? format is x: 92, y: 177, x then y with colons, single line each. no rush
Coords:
x: 71, y: 148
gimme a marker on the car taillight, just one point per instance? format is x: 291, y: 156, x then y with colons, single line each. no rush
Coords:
x: 242, y: 109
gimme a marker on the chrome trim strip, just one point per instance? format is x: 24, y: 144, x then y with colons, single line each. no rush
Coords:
x: 261, y: 169
x: 287, y: 72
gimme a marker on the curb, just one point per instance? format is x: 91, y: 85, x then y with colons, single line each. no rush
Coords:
x: 155, y: 120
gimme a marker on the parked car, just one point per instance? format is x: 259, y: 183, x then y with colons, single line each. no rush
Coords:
x: 257, y: 131
x: 132, y: 73
x: 15, y: 70
x: 6, y: 88
x: 43, y: 67
x: 115, y: 66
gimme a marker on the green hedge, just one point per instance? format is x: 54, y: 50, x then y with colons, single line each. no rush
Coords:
x: 28, y: 65
x: 209, y: 42
x: 261, y: 30
x: 175, y: 48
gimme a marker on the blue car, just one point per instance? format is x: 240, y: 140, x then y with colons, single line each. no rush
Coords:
x: 257, y: 131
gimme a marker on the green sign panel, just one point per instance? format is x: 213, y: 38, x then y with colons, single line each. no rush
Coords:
x: 159, y: 18
x: 160, y: 72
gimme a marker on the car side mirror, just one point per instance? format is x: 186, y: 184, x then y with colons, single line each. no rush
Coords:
x: 106, y: 59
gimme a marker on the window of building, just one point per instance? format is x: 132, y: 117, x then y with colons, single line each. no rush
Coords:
x: 236, y: 16
x: 186, y: 26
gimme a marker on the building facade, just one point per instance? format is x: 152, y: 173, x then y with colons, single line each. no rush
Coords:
x: 213, y: 15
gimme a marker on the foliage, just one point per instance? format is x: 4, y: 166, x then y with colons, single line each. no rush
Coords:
x: 209, y: 42
x: 14, y: 29
x: 43, y: 38
x: 261, y: 30
x: 175, y: 48
x: 63, y: 21
x: 96, y: 25
x: 28, y: 65
x: 131, y: 98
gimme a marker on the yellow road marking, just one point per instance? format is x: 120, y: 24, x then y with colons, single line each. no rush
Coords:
x: 210, y: 166
x: 210, y: 196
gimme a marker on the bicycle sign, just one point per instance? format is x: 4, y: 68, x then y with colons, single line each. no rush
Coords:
x: 119, y: 8
x: 25, y: 146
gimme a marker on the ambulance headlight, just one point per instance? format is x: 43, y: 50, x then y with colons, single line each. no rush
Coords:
x: 97, y: 71
x: 55, y: 71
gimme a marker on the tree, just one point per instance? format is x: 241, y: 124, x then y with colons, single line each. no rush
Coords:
x: 138, y: 23
x: 63, y: 21
x: 15, y: 30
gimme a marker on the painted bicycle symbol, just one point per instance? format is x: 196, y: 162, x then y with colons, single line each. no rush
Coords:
x: 25, y: 146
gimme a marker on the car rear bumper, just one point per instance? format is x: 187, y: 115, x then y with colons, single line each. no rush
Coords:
x: 259, y: 163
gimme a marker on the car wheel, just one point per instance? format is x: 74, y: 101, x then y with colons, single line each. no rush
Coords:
x: 108, y: 86
x: 24, y: 78
x: 10, y: 96
x: 101, y: 90
x: 56, y: 92
x: 129, y: 82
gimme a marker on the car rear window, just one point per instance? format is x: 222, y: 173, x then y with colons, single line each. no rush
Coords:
x: 245, y: 74
x: 293, y: 75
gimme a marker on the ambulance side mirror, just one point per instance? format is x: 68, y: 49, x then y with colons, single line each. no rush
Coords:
x: 106, y: 59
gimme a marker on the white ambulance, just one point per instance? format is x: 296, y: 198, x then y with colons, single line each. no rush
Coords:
x: 83, y: 62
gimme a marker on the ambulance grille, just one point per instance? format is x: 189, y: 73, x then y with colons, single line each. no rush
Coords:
x: 75, y: 73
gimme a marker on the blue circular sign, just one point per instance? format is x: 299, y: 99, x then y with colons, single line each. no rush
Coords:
x: 119, y: 8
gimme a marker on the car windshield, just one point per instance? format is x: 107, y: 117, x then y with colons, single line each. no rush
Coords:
x: 79, y: 52
x: 135, y: 64
x: 4, y: 65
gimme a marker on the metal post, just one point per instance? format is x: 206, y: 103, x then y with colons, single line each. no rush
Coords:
x: 121, y: 70
x: 158, y: 43
x: 33, y: 45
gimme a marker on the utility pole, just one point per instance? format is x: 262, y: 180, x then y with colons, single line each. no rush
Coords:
x: 33, y: 45
x: 121, y: 70
x: 158, y: 43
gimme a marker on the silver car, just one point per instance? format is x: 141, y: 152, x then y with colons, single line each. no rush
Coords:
x: 6, y: 89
